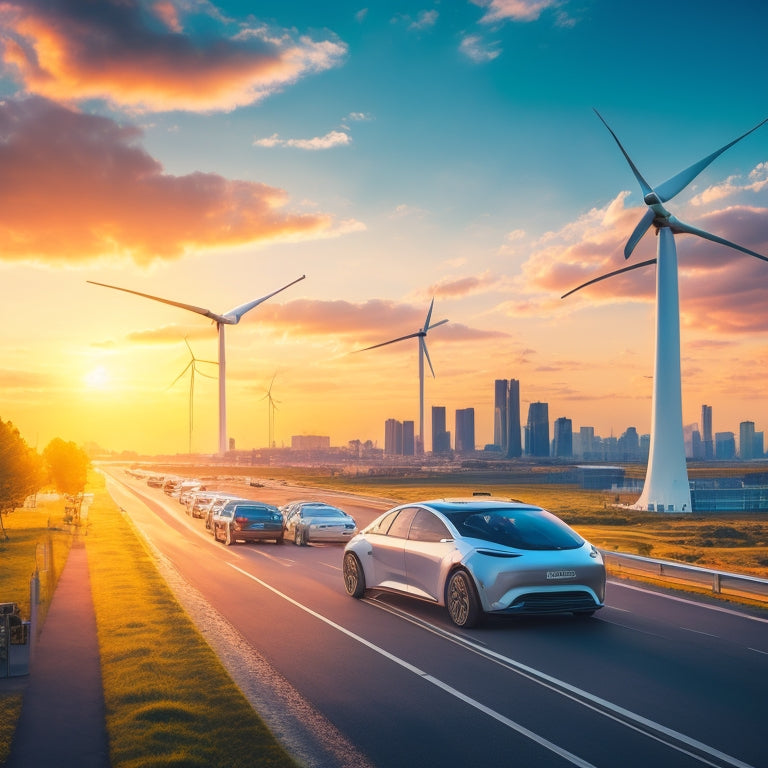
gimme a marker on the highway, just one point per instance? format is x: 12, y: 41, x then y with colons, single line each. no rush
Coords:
x: 653, y: 679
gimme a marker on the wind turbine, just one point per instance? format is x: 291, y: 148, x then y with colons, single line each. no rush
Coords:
x: 666, y: 481
x: 421, y: 334
x: 232, y: 317
x: 271, y: 412
x: 192, y: 368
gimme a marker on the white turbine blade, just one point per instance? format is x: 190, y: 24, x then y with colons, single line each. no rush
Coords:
x: 641, y: 228
x: 644, y: 185
x: 233, y: 316
x: 391, y: 341
x: 678, y: 226
x: 610, y: 274
x: 677, y: 183
x: 426, y: 354
x: 434, y: 325
x: 186, y: 368
x: 429, y: 315
x: 190, y: 307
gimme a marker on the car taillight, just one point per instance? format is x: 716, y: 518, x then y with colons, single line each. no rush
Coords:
x: 241, y: 520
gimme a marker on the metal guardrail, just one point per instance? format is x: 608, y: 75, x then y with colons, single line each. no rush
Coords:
x: 667, y: 572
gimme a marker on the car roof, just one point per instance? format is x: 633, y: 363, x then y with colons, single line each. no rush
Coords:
x: 475, y: 503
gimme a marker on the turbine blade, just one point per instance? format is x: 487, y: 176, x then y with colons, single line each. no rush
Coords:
x: 679, y: 226
x: 434, y: 325
x: 677, y: 183
x: 186, y: 368
x: 426, y: 354
x: 234, y: 315
x: 429, y: 315
x: 644, y: 185
x: 391, y: 341
x: 641, y: 228
x: 610, y: 274
x: 190, y: 307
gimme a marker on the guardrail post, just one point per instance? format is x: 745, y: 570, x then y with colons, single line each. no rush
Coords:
x: 716, y: 583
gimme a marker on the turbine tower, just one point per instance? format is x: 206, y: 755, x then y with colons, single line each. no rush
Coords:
x: 232, y: 317
x: 192, y: 368
x: 666, y: 486
x: 421, y: 334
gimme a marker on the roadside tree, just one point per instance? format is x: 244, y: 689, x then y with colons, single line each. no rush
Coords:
x: 20, y: 471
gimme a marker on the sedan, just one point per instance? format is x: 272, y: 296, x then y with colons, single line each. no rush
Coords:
x: 477, y: 556
x: 314, y: 521
x: 247, y: 521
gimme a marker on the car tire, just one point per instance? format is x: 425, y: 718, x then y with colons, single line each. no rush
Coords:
x: 228, y: 540
x: 298, y: 537
x: 280, y: 539
x: 461, y: 600
x: 354, y: 578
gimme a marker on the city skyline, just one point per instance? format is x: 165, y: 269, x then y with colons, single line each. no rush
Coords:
x: 392, y: 155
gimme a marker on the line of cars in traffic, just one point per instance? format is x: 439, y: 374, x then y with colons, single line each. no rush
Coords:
x: 474, y: 556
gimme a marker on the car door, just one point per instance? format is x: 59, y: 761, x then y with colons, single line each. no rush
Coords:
x: 429, y: 544
x: 388, y: 550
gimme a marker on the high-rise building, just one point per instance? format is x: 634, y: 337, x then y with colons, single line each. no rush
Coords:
x: 537, y: 430
x: 514, y: 441
x: 563, y: 444
x: 747, y: 440
x: 393, y: 437
x: 706, y: 430
x: 500, y: 405
x: 587, y: 440
x: 441, y: 439
x: 725, y: 445
x: 409, y: 443
x: 465, y: 430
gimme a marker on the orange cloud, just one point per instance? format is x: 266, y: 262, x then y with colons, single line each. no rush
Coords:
x: 75, y: 187
x: 141, y: 57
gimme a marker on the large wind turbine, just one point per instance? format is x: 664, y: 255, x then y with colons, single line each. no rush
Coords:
x: 666, y: 486
x: 232, y: 317
x: 191, y: 366
x: 421, y: 334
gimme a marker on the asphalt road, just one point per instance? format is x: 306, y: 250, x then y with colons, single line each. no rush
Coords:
x: 653, y: 679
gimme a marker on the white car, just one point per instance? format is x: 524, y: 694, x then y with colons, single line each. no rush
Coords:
x: 307, y: 522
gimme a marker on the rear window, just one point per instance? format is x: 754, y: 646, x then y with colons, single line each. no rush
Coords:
x: 323, y: 512
x: 517, y: 527
x: 256, y: 513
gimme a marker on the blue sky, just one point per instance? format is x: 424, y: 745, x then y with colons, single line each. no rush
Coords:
x: 393, y: 152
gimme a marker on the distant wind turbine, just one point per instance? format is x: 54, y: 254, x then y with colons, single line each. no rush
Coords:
x: 271, y: 412
x: 666, y: 481
x: 421, y: 335
x: 192, y: 368
x: 232, y: 317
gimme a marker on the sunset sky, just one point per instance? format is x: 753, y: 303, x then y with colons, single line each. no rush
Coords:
x: 211, y: 152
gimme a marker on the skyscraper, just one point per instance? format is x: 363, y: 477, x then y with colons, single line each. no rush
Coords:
x: 500, y: 405
x: 514, y: 446
x: 563, y: 438
x: 441, y: 439
x: 465, y: 430
x: 537, y: 430
x: 747, y: 440
x: 393, y: 437
x: 409, y: 443
x: 706, y: 427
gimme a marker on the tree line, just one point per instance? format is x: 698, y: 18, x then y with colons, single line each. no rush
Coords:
x: 23, y: 471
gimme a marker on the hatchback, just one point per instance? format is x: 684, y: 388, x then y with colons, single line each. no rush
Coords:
x: 476, y: 556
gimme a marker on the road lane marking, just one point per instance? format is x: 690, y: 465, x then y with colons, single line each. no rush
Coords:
x: 565, y: 754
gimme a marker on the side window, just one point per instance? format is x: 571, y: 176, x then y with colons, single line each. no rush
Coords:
x: 427, y: 527
x: 401, y: 524
x: 383, y: 526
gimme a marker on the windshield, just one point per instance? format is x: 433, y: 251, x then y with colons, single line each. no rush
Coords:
x: 518, y: 528
x: 323, y: 512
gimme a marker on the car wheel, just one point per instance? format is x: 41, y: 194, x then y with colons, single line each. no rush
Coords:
x: 280, y: 539
x: 354, y: 578
x: 228, y: 540
x: 298, y: 537
x: 462, y: 601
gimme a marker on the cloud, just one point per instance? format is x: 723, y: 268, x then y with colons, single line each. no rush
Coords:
x: 330, y: 140
x: 733, y: 185
x: 463, y: 286
x: 141, y: 56
x: 75, y: 187
x: 516, y: 10
x: 478, y: 50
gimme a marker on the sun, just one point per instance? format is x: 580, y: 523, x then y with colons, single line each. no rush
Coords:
x: 98, y: 378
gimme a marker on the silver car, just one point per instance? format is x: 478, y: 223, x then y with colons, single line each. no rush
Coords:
x: 476, y: 556
x: 315, y: 521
